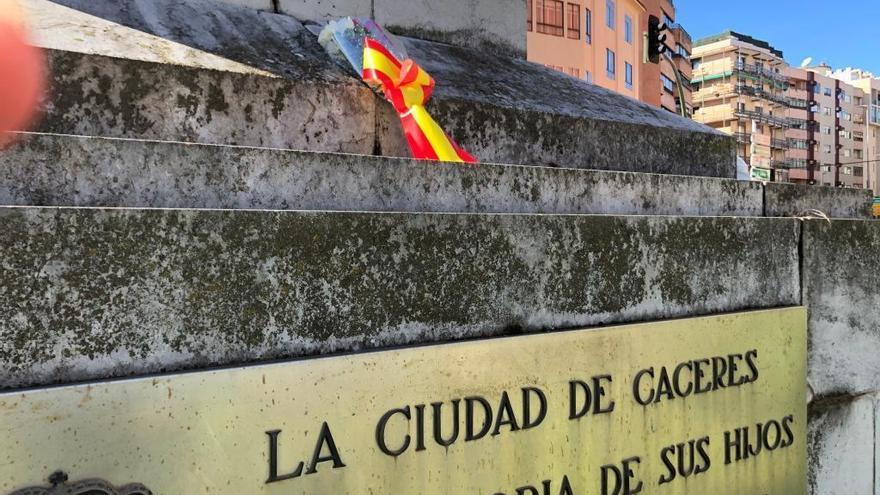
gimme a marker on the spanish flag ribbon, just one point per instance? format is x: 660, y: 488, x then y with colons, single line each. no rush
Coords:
x: 408, y: 87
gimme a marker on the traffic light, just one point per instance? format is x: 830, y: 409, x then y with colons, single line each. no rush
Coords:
x: 656, y: 39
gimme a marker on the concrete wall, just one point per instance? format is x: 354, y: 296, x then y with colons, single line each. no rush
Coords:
x: 497, y: 25
x: 94, y: 293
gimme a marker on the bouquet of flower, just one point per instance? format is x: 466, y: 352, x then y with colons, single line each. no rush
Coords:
x: 382, y: 62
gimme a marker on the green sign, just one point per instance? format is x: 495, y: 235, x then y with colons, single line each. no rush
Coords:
x: 762, y: 174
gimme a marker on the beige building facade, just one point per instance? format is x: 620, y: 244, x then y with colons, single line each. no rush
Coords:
x: 810, y: 124
x: 595, y: 40
x: 602, y: 42
x: 740, y: 87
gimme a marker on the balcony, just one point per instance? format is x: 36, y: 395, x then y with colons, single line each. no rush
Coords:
x: 763, y: 117
x: 743, y: 138
x: 745, y: 89
x: 790, y: 163
x: 760, y: 71
x: 801, y: 124
x: 780, y: 144
x: 796, y: 144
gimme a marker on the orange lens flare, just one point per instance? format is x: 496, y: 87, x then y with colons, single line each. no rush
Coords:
x: 22, y: 74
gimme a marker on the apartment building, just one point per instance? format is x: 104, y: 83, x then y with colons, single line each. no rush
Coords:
x: 740, y: 87
x: 658, y: 80
x: 834, y: 128
x: 602, y: 41
x: 869, y: 134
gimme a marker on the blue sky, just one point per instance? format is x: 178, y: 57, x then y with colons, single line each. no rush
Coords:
x: 850, y: 29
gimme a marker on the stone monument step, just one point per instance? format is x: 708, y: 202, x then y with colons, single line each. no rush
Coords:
x: 60, y: 170
x: 92, y: 293
x: 186, y: 70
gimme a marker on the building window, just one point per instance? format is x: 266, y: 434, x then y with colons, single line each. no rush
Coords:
x: 859, y: 171
x: 696, y: 64
x: 610, y: 63
x: 549, y: 17
x: 588, y: 76
x: 668, y: 21
x: 529, y: 9
x: 574, y: 72
x: 588, y: 26
x: 609, y: 13
x: 628, y: 75
x: 827, y: 149
x: 669, y: 85
x: 574, y: 21
x: 628, y: 29
x: 827, y: 91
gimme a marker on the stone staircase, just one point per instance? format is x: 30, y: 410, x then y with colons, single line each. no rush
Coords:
x: 223, y: 195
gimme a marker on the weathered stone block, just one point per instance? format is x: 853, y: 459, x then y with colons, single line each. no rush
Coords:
x: 92, y: 293
x: 835, y: 202
x: 52, y: 170
x: 841, y: 447
x: 191, y: 33
x: 322, y: 10
x: 841, y: 282
x: 253, y: 4
x: 96, y: 95
x: 494, y: 25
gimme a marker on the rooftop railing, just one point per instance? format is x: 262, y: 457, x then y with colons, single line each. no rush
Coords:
x: 760, y: 71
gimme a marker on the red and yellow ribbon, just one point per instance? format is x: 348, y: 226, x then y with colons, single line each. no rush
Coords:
x: 408, y: 87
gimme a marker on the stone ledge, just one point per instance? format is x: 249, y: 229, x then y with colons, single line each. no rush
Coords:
x: 95, y: 293
x: 792, y: 199
x: 55, y: 170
